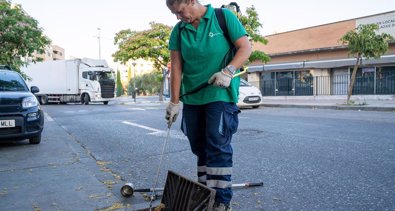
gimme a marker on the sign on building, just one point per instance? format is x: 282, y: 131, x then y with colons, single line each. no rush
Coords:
x: 385, y: 21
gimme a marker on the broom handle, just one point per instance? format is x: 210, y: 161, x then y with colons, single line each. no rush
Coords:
x: 248, y: 184
x: 148, y: 189
x: 241, y: 185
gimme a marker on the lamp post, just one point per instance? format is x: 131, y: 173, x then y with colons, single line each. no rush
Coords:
x: 134, y: 81
x: 98, y: 38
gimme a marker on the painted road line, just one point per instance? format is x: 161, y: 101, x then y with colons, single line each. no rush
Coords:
x: 47, y: 117
x: 156, y: 132
x: 142, y: 126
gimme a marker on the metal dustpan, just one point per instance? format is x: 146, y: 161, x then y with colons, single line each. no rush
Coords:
x: 182, y: 194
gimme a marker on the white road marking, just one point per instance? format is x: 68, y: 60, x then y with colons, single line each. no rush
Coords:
x: 47, y: 117
x: 174, y: 134
x: 136, y: 109
x: 142, y: 126
x: 157, y: 132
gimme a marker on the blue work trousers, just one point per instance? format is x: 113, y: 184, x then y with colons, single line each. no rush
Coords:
x: 209, y: 129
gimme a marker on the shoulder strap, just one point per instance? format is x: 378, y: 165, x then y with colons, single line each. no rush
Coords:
x: 222, y: 23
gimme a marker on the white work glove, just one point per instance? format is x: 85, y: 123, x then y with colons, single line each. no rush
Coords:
x: 172, y: 111
x: 221, y: 79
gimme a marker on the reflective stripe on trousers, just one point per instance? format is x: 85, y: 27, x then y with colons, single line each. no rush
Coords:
x: 209, y: 129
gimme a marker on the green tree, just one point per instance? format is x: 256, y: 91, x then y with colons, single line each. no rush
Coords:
x: 364, y: 41
x: 252, y: 25
x: 151, y: 44
x: 20, y: 36
x: 119, y: 84
x: 148, y: 83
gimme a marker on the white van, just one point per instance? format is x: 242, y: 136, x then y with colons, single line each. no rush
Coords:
x: 249, y: 95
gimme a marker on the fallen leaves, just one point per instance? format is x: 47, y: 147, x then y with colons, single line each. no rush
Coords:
x: 109, y: 183
x: 4, y: 192
x: 115, y: 206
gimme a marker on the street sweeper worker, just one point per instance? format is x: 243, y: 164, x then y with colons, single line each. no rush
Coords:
x: 200, y: 53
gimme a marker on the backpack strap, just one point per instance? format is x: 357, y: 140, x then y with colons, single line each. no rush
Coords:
x: 219, y: 13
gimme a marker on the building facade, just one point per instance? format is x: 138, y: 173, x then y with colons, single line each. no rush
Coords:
x: 57, y: 53
x: 313, y: 62
x: 52, y: 52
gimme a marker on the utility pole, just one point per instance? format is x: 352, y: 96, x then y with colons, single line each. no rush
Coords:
x: 98, y: 38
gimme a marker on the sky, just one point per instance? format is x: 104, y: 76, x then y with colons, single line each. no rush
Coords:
x: 73, y: 24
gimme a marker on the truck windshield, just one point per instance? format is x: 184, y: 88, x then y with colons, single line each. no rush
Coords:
x: 103, y: 75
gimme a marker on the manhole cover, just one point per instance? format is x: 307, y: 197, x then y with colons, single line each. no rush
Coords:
x: 248, y: 132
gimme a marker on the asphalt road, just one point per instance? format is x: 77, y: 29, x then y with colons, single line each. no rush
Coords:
x: 308, y: 159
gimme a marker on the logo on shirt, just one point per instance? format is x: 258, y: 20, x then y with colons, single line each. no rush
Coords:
x: 211, y: 34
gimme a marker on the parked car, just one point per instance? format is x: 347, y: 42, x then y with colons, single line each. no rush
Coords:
x: 21, y: 116
x: 249, y: 95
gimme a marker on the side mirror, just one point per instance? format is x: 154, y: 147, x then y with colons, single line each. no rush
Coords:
x: 34, y: 89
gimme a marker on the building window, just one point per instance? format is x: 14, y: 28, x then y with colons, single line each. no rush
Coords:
x: 385, y: 80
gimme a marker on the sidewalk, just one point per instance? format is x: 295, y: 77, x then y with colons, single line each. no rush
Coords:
x: 59, y: 174
x: 361, y: 102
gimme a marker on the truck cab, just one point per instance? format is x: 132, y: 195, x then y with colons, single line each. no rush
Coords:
x: 97, y: 85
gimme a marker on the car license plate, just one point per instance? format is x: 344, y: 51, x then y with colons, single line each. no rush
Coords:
x: 7, y: 123
x: 254, y: 98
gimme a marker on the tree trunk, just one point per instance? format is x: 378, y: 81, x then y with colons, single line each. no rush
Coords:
x: 353, y: 75
x: 161, y: 90
x: 162, y: 82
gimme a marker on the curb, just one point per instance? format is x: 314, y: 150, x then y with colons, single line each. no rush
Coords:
x: 334, y: 107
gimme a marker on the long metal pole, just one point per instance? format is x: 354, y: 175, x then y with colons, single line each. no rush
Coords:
x: 98, y: 37
x: 153, y: 194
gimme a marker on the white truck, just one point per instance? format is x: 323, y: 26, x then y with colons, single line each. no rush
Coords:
x: 76, y: 80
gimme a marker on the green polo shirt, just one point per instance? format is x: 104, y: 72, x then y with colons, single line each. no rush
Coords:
x: 204, y: 52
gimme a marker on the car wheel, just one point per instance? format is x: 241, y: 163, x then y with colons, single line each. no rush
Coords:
x: 105, y: 102
x: 35, y: 139
x: 255, y: 106
x: 43, y: 99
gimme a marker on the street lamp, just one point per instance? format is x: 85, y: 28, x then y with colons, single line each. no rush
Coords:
x: 134, y: 81
x: 98, y: 38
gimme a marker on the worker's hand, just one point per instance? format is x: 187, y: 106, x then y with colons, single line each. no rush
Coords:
x: 172, y: 111
x: 220, y: 79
